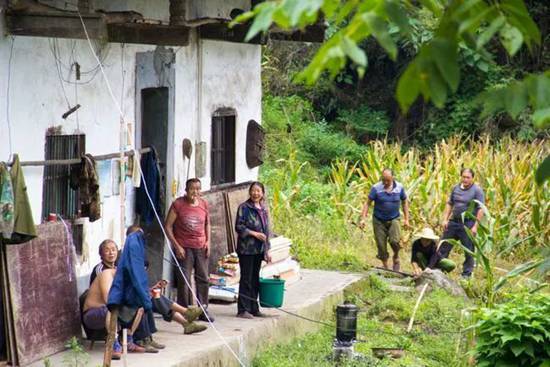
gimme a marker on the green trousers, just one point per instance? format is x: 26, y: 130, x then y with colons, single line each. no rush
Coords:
x: 445, y: 265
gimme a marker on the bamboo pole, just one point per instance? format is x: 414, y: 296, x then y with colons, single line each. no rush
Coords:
x: 102, y: 157
x: 125, y: 347
x: 409, y: 328
x: 111, y: 334
x: 122, y: 186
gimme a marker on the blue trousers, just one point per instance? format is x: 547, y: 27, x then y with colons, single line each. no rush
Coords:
x: 455, y: 230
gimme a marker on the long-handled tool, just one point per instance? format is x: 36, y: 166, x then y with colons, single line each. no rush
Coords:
x: 187, y: 149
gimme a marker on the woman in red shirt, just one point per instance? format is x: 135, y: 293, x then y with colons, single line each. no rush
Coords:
x: 188, y: 228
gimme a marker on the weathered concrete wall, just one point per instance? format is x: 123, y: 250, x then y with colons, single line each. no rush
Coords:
x: 231, y: 78
x: 160, y: 10
x: 195, y: 9
x: 228, y: 73
x: 199, y: 9
x: 36, y: 102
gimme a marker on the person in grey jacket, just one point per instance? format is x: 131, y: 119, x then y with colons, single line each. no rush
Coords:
x: 465, y: 197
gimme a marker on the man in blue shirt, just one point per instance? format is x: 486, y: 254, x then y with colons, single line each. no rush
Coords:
x: 388, y: 195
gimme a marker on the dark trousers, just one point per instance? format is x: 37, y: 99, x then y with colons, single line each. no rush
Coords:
x: 146, y: 327
x: 249, y: 285
x: 163, y: 305
x: 455, y: 230
x: 2, y: 336
x: 195, y: 259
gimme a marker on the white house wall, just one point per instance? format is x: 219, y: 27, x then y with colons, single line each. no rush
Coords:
x: 230, y: 76
x: 37, y: 103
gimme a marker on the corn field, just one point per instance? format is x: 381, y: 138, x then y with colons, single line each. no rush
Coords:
x: 504, y: 169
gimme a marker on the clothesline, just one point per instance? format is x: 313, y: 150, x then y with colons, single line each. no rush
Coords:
x: 102, y: 157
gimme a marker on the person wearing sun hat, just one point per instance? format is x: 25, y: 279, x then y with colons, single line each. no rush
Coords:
x: 424, y: 253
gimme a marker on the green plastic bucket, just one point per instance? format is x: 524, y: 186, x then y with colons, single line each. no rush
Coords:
x: 271, y: 292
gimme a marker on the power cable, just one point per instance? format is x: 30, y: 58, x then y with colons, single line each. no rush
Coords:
x: 151, y: 200
x: 319, y: 322
x: 8, y: 96
x: 176, y: 263
x: 58, y: 70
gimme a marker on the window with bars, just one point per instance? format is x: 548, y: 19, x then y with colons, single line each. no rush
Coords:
x: 223, y: 147
x: 57, y: 195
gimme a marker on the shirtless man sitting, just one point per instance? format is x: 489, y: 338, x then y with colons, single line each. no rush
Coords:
x: 96, y: 315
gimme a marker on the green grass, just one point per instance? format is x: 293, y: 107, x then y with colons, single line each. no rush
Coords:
x: 316, y: 204
x: 382, y: 323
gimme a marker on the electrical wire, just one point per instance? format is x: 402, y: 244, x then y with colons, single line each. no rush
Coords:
x: 319, y: 322
x: 8, y: 122
x: 175, y: 262
x: 58, y: 70
x: 123, y: 75
x: 108, y: 84
x: 55, y: 51
x: 187, y: 282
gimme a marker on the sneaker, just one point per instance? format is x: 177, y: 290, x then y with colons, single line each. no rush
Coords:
x: 192, y: 328
x: 134, y: 348
x: 155, y: 344
x: 203, y: 315
x: 245, y: 315
x: 259, y: 314
x: 117, y: 350
x: 192, y: 313
x: 146, y: 344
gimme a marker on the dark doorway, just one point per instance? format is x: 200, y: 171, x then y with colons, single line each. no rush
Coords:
x: 154, y: 133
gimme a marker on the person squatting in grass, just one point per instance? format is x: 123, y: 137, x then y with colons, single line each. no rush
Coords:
x: 424, y: 249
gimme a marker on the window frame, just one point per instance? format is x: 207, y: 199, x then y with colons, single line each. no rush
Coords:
x: 223, y: 147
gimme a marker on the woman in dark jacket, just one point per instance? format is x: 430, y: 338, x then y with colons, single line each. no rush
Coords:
x: 252, y: 226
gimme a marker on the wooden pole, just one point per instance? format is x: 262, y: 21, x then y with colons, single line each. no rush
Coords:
x: 122, y: 184
x: 125, y: 347
x: 102, y: 157
x: 409, y: 328
x: 111, y: 334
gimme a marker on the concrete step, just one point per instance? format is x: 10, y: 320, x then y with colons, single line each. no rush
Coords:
x: 314, y: 296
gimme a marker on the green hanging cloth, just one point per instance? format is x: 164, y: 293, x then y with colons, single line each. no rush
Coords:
x: 23, y: 225
x: 6, y: 203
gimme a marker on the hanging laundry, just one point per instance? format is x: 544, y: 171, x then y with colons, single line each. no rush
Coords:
x: 151, y: 174
x: 6, y: 203
x: 23, y: 224
x: 136, y: 176
x: 85, y: 179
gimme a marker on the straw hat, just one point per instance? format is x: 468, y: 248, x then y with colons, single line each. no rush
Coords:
x: 427, y: 233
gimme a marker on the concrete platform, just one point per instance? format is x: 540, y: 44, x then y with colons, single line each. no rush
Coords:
x: 314, y: 296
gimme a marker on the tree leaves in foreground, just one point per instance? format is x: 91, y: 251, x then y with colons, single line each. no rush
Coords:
x: 515, y: 333
x: 434, y: 72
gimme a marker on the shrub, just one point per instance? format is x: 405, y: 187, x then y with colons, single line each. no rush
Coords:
x: 364, y: 123
x: 516, y: 333
x: 323, y: 146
